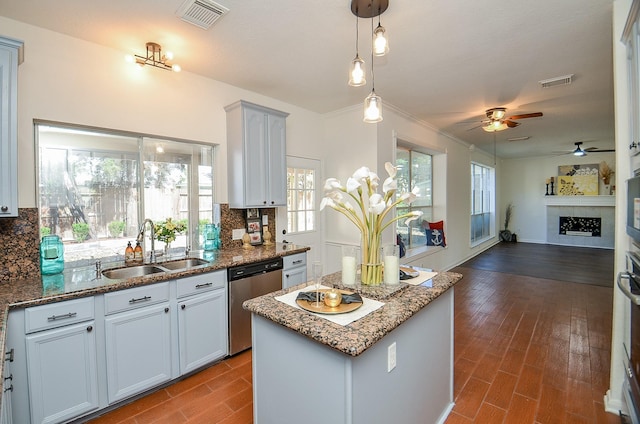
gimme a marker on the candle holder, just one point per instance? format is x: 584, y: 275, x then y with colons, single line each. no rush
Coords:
x: 551, y: 189
x: 546, y: 192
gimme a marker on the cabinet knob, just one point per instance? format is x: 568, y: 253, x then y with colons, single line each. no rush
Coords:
x: 166, y: 310
x: 264, y: 202
x: 183, y: 306
x: 4, y: 208
x: 8, y: 356
x: 89, y: 329
x: 287, y: 275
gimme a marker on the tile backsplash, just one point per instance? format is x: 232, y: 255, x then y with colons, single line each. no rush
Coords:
x: 19, y: 240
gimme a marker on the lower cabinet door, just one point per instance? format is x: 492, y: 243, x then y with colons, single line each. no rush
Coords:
x: 138, y: 346
x: 62, y: 373
x: 294, y: 276
x: 202, y: 330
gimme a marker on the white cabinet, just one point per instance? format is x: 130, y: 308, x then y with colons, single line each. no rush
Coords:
x: 10, y: 55
x: 256, y: 153
x: 294, y: 270
x: 61, y: 361
x: 202, y: 319
x: 138, y: 340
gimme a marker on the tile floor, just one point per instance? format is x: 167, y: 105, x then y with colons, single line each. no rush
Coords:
x: 527, y: 350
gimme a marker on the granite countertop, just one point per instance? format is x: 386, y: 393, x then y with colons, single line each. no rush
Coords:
x: 82, y: 282
x: 353, y: 339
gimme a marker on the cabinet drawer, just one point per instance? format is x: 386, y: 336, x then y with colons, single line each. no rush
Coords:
x: 136, y: 297
x: 201, y: 283
x: 293, y: 261
x: 54, y: 315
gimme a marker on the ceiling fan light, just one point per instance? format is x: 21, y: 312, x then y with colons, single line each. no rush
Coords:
x: 380, y: 41
x: 372, y: 108
x: 579, y: 152
x: 356, y: 75
x: 495, y: 126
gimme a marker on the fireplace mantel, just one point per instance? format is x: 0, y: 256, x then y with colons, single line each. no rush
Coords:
x: 580, y: 200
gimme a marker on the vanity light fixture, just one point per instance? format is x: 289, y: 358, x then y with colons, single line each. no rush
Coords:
x: 155, y: 58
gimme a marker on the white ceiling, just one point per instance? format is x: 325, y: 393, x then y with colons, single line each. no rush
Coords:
x: 449, y: 60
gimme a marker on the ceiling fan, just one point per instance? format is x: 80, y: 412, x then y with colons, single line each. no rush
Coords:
x: 497, y: 120
x: 578, y: 151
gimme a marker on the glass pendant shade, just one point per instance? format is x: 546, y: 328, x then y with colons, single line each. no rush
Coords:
x: 356, y: 74
x: 380, y: 41
x: 372, y: 108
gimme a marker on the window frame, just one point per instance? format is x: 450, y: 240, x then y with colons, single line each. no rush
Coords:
x: 201, y: 154
x: 426, y: 209
x: 485, y: 215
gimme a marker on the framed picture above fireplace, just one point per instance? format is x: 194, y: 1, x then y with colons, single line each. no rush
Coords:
x: 578, y: 180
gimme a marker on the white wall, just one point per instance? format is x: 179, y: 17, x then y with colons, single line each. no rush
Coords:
x: 69, y: 80
x: 522, y: 183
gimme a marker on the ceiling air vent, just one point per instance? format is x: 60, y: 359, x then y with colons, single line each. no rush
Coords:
x: 553, y: 82
x: 201, y: 13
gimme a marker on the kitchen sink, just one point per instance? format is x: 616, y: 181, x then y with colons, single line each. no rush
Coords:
x: 184, y: 263
x: 131, y: 272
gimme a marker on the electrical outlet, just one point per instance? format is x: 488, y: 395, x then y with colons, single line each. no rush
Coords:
x: 237, y: 233
x: 265, y: 219
x: 391, y: 357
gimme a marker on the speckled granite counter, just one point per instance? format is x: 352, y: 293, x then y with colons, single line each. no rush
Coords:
x: 395, y: 364
x: 76, y: 283
x: 357, y: 337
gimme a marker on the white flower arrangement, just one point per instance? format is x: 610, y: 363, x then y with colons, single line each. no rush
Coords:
x: 371, y: 210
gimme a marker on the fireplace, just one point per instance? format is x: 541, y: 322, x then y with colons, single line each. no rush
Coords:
x: 580, y: 226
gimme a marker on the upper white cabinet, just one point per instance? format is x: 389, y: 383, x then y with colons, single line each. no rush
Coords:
x: 256, y: 155
x: 10, y: 56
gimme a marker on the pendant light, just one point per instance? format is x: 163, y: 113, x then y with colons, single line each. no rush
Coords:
x: 373, y: 102
x: 357, y: 76
x: 380, y: 40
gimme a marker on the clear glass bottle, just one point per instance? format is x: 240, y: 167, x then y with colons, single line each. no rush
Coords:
x: 51, y: 255
x: 211, y: 237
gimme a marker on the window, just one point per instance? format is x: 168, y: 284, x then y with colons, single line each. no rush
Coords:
x: 482, y: 203
x: 301, y: 205
x: 414, y: 170
x: 96, y: 187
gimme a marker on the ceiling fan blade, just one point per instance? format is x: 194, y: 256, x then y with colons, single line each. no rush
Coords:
x: 526, y: 115
x: 591, y: 149
x: 477, y: 126
x: 484, y: 121
x: 511, y: 124
x: 602, y: 151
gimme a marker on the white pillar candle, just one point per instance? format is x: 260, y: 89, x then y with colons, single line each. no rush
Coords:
x: 391, y: 270
x: 349, y: 270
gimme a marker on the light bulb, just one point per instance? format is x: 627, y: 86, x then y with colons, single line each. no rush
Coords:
x: 356, y: 76
x: 168, y: 55
x: 372, y: 108
x: 129, y: 58
x: 380, y: 41
x: 176, y: 68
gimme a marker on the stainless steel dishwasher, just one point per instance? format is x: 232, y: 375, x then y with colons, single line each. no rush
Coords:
x: 246, y: 282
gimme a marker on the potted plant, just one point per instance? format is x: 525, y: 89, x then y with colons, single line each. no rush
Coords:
x: 505, y: 235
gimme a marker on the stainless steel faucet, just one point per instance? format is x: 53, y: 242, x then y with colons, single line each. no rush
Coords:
x: 152, y: 256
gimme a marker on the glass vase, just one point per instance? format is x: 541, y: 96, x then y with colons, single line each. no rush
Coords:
x: 371, y: 268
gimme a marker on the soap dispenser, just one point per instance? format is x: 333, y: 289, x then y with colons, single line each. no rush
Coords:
x: 137, y: 253
x: 129, y: 254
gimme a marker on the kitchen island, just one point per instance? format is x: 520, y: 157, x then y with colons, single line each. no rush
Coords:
x: 308, y: 369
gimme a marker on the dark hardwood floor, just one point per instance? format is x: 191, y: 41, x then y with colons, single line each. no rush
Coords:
x: 564, y: 263
x: 527, y: 350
